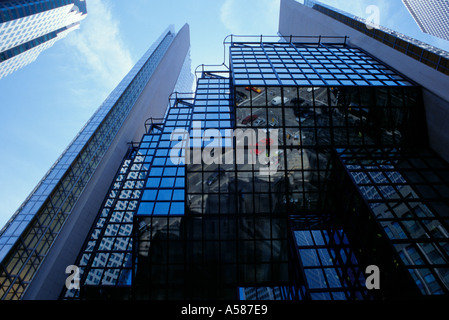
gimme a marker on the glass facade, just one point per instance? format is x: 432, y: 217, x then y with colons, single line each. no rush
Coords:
x: 308, y: 65
x: 29, y: 27
x: 27, y: 237
x: 12, y: 10
x: 427, y: 54
x: 406, y: 192
x: 283, y: 178
x: 329, y: 265
x: 319, y: 97
x: 431, y: 16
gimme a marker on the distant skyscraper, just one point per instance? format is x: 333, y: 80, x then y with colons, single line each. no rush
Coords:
x: 29, y: 27
x: 432, y: 16
x: 48, y: 230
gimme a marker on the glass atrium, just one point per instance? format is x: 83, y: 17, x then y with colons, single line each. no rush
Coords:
x: 334, y: 175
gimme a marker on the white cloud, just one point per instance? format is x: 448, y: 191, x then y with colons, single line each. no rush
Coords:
x: 98, y: 44
x: 251, y: 17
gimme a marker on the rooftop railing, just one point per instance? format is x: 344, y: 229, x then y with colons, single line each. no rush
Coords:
x: 248, y: 39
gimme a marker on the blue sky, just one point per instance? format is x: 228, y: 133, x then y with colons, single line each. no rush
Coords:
x: 46, y: 103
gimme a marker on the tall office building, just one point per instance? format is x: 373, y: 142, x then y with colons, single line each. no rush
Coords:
x: 29, y: 27
x: 287, y: 176
x: 48, y: 230
x: 431, y: 16
x: 295, y: 169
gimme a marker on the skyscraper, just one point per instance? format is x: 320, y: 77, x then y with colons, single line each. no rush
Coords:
x: 29, y: 27
x: 426, y: 65
x: 431, y: 16
x: 46, y: 232
x: 289, y: 175
x: 299, y: 170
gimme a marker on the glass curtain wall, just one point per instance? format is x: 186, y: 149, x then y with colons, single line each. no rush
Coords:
x: 27, y: 237
x: 279, y: 181
x: 319, y: 97
x: 407, y: 194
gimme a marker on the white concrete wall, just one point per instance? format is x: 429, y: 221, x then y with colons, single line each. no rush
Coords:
x: 297, y: 19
